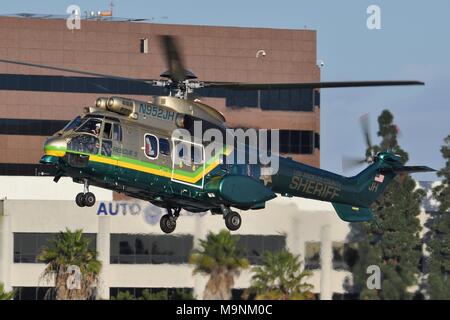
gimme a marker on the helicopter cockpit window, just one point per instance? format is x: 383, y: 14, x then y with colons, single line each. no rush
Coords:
x: 84, y: 143
x: 107, y: 131
x: 151, y: 146
x: 117, y: 132
x: 91, y: 126
x: 75, y: 123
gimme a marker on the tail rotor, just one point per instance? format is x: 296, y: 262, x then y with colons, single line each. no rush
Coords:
x: 350, y: 163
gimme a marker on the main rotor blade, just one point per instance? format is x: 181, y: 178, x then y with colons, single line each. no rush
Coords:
x: 365, y: 127
x: 173, y: 57
x: 311, y: 85
x: 42, y: 66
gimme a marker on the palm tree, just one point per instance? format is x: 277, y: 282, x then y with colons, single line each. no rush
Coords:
x: 281, y: 277
x: 5, y: 295
x: 220, y: 257
x: 73, y: 266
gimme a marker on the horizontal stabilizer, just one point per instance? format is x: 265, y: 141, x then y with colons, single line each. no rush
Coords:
x: 409, y: 169
x: 351, y: 213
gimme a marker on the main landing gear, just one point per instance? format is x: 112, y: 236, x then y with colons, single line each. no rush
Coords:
x: 232, y: 219
x: 85, y: 198
x: 168, y: 222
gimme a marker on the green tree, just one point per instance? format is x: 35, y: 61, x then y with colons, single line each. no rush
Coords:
x: 281, y: 277
x: 124, y: 295
x: 391, y: 241
x: 4, y: 295
x: 66, y: 250
x: 179, y: 294
x: 439, y: 234
x: 220, y: 257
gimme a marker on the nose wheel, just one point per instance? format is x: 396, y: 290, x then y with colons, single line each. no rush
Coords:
x: 86, y: 198
x: 168, y: 222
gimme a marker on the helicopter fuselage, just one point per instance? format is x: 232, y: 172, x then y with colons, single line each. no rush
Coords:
x: 128, y: 146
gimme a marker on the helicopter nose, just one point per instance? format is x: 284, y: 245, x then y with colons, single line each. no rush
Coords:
x: 55, y: 146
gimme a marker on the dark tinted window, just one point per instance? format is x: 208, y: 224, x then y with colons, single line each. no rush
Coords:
x: 255, y: 246
x: 164, y: 146
x: 312, y: 255
x: 150, y: 249
x: 32, y: 127
x: 296, y: 141
x: 285, y: 99
x: 170, y: 293
x: 32, y: 293
x: 28, y: 246
x: 107, y: 130
x: 26, y: 169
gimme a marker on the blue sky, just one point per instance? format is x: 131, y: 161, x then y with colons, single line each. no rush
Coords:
x: 414, y: 43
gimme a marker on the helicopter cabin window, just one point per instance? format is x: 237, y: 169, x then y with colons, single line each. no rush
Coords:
x: 196, y: 153
x: 151, y: 146
x: 164, y: 146
x: 117, y: 132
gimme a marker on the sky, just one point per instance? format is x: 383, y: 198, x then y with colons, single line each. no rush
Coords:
x: 413, y: 43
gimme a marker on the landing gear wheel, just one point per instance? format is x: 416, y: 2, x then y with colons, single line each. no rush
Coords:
x: 233, y: 221
x: 79, y: 200
x: 167, y: 223
x: 89, y: 199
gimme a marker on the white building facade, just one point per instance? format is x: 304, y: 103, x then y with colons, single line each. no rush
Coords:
x: 137, y: 255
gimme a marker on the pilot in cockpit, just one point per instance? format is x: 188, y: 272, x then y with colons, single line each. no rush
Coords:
x: 96, y: 129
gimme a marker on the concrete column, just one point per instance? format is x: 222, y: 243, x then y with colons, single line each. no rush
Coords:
x: 326, y: 256
x: 6, y: 248
x: 103, y: 249
x: 199, y: 233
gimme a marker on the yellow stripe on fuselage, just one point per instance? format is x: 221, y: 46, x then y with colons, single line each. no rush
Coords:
x: 140, y: 168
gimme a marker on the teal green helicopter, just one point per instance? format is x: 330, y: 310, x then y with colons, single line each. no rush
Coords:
x: 128, y: 146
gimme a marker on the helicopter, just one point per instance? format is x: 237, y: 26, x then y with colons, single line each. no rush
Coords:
x: 128, y: 146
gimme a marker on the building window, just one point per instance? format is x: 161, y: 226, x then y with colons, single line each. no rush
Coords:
x: 282, y: 100
x: 31, y: 127
x: 150, y: 249
x: 32, y: 293
x: 316, y: 140
x: 159, y: 293
x: 144, y: 45
x: 151, y: 146
x: 28, y: 246
x: 312, y: 255
x: 344, y: 255
x: 296, y: 141
x: 255, y: 245
x: 317, y: 98
x: 26, y: 169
